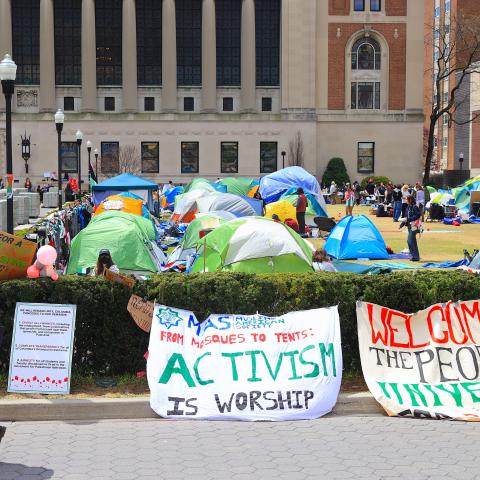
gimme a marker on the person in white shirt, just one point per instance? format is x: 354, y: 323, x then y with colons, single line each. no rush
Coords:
x: 321, y: 261
x: 420, y: 198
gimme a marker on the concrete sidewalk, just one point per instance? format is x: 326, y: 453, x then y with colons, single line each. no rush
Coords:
x: 98, y: 408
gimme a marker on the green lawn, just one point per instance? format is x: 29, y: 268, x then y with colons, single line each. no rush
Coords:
x: 434, y: 247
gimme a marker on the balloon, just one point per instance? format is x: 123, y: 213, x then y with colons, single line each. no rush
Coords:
x: 47, y: 255
x: 33, y: 272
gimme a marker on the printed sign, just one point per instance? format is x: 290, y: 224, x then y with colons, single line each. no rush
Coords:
x: 16, y: 255
x: 244, y: 367
x: 141, y: 312
x: 42, y: 346
x: 118, y: 278
x: 425, y: 364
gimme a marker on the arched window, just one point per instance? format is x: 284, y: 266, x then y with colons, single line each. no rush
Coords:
x: 366, y: 54
x: 366, y: 74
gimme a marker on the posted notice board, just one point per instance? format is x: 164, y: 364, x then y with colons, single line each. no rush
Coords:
x: 42, y: 347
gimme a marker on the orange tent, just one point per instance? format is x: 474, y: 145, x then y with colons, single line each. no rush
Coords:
x: 120, y: 204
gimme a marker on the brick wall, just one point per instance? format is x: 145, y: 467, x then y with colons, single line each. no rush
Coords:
x: 396, y: 7
x: 336, y: 62
x: 475, y: 141
x: 339, y: 7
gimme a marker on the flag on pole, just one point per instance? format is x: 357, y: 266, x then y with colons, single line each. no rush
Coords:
x: 91, y: 174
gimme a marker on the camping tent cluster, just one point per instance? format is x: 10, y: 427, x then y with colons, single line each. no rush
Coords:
x: 459, y: 196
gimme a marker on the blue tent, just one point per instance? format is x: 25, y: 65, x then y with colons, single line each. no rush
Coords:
x: 356, y: 237
x: 272, y: 186
x: 126, y: 182
x: 169, y: 197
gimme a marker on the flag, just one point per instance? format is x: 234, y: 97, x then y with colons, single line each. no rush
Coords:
x: 91, y: 174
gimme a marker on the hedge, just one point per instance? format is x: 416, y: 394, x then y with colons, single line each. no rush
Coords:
x: 108, y: 341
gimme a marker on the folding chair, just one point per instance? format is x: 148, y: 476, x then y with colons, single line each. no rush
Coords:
x: 324, y: 224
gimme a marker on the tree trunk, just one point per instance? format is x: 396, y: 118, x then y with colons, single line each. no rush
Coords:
x: 430, y: 148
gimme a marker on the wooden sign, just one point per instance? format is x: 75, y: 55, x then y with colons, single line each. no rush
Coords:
x: 118, y: 278
x: 16, y: 255
x: 141, y: 312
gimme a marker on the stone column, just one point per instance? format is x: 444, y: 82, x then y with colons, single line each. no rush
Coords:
x: 248, y: 57
x: 89, y: 57
x: 169, y: 57
x: 47, y: 99
x: 209, y: 57
x: 5, y: 37
x: 129, y: 56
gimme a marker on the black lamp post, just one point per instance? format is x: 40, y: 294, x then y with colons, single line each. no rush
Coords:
x: 89, y: 150
x: 460, y: 159
x: 79, y: 137
x: 26, y: 150
x: 283, y: 158
x: 96, y: 163
x: 59, y: 119
x: 8, y: 72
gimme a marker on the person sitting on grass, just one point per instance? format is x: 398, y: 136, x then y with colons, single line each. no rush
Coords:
x: 321, y: 261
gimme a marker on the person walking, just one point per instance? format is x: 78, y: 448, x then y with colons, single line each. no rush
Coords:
x: 413, y: 224
x: 301, y: 208
x: 397, y: 203
x: 349, y: 200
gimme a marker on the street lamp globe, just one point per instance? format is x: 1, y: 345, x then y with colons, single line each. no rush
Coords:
x: 59, y: 117
x: 8, y: 68
x: 89, y: 144
x: 95, y: 151
x: 79, y: 136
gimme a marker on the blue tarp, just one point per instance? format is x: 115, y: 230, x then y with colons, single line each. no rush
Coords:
x: 170, y: 195
x: 256, y: 204
x: 356, y: 237
x: 460, y: 263
x: 272, y: 186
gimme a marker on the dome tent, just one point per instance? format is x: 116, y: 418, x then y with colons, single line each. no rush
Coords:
x: 238, y: 185
x: 356, y: 237
x: 228, y: 202
x: 254, y: 245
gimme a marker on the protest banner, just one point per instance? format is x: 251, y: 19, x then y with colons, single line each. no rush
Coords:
x: 42, y: 346
x: 425, y: 364
x: 119, y: 278
x: 244, y: 367
x: 141, y: 312
x: 16, y: 255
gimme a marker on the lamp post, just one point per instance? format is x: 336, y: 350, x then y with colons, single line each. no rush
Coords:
x: 460, y: 159
x: 89, y: 150
x: 59, y: 119
x: 26, y: 150
x: 283, y: 158
x: 8, y: 72
x: 96, y: 163
x: 79, y: 137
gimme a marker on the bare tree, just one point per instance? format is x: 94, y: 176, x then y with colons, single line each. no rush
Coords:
x: 127, y: 160
x: 296, y: 151
x: 457, y: 49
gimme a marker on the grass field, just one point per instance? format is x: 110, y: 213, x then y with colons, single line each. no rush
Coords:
x: 447, y: 244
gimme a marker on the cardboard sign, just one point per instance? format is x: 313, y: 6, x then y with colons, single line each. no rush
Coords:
x: 244, y: 367
x: 16, y: 255
x: 118, y: 278
x: 141, y: 312
x: 42, y: 347
x: 424, y: 365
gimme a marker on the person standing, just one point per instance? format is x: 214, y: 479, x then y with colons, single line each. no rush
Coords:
x: 420, y: 199
x: 397, y: 203
x: 333, y: 193
x: 349, y: 200
x: 301, y: 208
x: 28, y: 185
x: 413, y: 224
x: 405, y: 195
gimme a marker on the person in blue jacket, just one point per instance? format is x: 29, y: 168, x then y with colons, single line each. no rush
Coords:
x: 412, y: 221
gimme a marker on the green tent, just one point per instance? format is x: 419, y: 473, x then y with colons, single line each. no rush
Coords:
x: 238, y: 186
x: 254, y: 245
x: 203, y: 221
x: 127, y: 236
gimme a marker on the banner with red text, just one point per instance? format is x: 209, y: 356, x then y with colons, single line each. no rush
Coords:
x: 425, y: 365
x: 244, y: 367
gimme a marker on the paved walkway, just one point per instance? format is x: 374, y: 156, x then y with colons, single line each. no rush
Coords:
x: 333, y: 447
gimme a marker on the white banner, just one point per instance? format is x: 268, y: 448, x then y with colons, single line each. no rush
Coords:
x: 244, y: 367
x: 425, y: 365
x: 42, y: 346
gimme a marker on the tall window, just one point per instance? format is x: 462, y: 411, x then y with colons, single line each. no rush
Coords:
x: 375, y: 5
x: 150, y: 157
x: 267, y: 37
x: 366, y: 157
x: 26, y: 41
x: 108, y: 30
x: 359, y: 5
x: 189, y: 159
x: 268, y: 157
x: 229, y: 157
x: 189, y: 42
x: 366, y: 66
x: 68, y: 42
x: 228, y: 20
x: 149, y: 42
x: 110, y: 157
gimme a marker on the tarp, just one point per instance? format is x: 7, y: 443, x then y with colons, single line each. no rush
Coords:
x: 127, y: 236
x: 272, y: 186
x: 254, y: 245
x: 168, y: 198
x: 356, y: 237
x: 238, y: 185
x: 121, y: 204
x: 239, y: 367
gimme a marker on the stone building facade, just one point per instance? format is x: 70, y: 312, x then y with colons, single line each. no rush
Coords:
x: 218, y: 87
